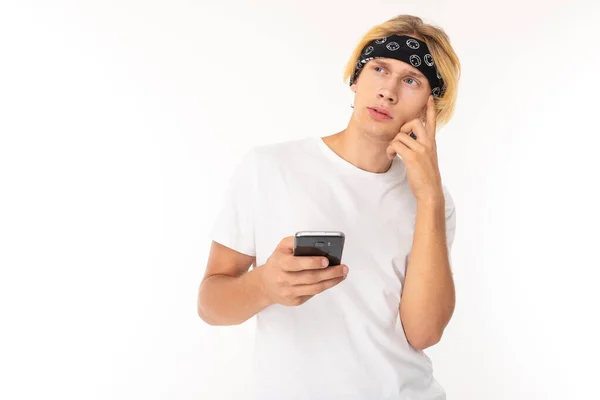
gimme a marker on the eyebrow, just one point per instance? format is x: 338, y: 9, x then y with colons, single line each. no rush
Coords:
x: 385, y: 64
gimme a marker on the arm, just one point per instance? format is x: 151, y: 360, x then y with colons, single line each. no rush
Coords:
x: 428, y: 297
x: 229, y: 294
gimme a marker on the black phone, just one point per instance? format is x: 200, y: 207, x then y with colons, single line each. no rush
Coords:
x: 328, y: 244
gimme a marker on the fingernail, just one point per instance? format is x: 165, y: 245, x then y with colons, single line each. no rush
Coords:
x: 345, y: 271
x: 325, y: 262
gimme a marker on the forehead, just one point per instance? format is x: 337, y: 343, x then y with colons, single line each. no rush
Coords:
x: 398, y: 66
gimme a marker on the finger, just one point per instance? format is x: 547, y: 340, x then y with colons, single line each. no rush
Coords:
x: 416, y: 127
x: 316, y: 288
x: 396, y: 147
x: 302, y: 263
x: 308, y: 277
x: 286, y: 245
x: 409, y: 142
x: 430, y: 122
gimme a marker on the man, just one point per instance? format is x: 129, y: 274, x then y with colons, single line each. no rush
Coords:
x: 357, y: 330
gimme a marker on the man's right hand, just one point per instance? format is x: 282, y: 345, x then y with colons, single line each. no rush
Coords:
x: 292, y: 280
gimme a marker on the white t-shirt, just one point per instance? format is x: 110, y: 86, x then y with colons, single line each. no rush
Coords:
x: 347, y: 342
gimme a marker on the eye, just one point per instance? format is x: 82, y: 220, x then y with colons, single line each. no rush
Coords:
x: 409, y: 80
x: 378, y: 67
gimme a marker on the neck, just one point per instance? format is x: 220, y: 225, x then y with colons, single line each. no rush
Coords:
x: 360, y: 149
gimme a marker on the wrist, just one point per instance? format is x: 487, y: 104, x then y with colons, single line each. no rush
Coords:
x: 257, y: 282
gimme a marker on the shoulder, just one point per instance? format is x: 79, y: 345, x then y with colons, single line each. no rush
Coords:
x: 281, y: 152
x: 284, y: 148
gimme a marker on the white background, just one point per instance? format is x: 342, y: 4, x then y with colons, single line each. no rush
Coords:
x: 121, y: 122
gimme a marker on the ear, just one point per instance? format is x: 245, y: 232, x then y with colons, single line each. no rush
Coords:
x: 353, y: 87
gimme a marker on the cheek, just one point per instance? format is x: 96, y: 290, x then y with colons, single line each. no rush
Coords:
x: 412, y: 106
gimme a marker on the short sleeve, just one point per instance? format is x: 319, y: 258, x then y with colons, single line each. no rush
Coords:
x: 234, y: 224
x: 450, y: 212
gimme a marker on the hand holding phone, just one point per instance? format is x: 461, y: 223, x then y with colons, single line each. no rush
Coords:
x: 290, y: 279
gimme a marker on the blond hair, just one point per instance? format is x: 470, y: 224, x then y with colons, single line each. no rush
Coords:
x: 438, y: 43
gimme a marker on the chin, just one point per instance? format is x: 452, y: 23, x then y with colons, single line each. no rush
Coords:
x: 383, y: 133
x: 380, y: 130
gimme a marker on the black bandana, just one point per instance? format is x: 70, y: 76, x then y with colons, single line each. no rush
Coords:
x: 407, y: 49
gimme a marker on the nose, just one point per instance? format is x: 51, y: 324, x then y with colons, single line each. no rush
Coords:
x: 387, y: 94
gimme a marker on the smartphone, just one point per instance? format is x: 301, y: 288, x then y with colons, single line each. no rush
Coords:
x: 328, y: 244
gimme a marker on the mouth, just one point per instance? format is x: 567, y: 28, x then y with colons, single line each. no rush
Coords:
x: 379, y: 113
